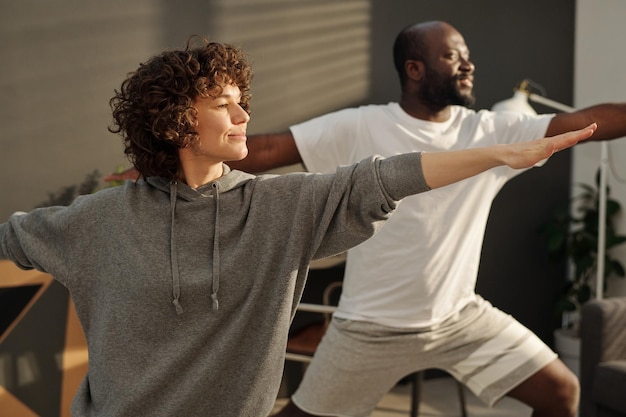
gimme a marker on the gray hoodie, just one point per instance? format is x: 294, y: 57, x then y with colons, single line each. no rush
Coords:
x: 186, y: 296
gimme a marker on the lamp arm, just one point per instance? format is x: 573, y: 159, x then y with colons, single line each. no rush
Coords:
x: 550, y: 103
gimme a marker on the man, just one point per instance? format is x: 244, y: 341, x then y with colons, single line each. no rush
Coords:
x: 408, y: 301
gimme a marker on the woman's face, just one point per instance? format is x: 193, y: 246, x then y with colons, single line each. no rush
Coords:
x: 221, y: 126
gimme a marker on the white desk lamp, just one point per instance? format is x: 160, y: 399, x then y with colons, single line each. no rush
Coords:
x: 519, y: 103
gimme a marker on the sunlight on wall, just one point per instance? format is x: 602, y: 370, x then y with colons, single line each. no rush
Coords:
x: 309, y: 57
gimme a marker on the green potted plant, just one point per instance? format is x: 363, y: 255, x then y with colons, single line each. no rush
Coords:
x: 64, y: 196
x: 572, y: 234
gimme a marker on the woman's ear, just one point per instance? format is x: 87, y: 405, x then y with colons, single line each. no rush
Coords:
x: 414, y: 70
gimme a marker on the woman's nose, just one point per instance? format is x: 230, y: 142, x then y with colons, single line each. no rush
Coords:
x: 240, y: 115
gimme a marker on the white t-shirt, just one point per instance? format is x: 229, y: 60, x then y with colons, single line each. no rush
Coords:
x: 422, y: 265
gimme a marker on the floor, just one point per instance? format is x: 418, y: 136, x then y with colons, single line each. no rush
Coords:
x: 439, y: 399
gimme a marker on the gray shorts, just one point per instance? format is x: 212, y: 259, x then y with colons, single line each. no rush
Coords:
x: 357, y: 362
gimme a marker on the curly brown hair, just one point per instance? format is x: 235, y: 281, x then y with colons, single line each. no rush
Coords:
x: 153, y: 110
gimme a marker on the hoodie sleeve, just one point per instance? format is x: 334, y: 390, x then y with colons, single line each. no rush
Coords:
x: 37, y: 240
x: 364, y: 195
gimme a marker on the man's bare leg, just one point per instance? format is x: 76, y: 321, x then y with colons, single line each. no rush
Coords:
x: 553, y: 391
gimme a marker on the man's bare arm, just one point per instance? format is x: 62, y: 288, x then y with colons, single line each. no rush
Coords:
x: 268, y: 151
x: 610, y: 117
x: 265, y: 152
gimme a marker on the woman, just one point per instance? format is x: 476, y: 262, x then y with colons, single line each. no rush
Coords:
x: 185, y: 282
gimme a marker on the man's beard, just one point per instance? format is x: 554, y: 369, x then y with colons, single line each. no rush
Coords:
x: 441, y: 92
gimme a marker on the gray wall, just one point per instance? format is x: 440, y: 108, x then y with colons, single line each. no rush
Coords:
x: 62, y: 59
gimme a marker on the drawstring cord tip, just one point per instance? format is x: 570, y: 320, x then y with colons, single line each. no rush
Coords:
x: 179, y: 309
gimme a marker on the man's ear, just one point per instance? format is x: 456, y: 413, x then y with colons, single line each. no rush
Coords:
x: 414, y: 70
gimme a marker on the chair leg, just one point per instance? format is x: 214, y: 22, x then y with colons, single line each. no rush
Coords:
x: 461, y: 398
x: 416, y: 390
x: 417, y: 380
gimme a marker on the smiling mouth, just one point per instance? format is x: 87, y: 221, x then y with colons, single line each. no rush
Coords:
x: 466, y: 81
x: 239, y: 136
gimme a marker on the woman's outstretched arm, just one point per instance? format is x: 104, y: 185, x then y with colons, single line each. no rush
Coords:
x: 443, y: 168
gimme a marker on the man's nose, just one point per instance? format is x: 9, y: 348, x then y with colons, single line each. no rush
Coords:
x: 467, y: 65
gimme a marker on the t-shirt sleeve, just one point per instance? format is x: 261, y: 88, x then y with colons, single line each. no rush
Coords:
x: 513, y: 127
x: 326, y: 141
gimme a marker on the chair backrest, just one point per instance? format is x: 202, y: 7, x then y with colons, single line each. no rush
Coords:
x: 303, y: 342
x: 603, y: 338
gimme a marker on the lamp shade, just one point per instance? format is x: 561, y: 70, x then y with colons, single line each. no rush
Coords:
x: 517, y: 103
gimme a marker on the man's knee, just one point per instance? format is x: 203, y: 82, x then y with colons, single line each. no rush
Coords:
x: 552, y: 391
x: 568, y: 393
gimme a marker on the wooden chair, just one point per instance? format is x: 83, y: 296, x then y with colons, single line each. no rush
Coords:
x: 303, y: 342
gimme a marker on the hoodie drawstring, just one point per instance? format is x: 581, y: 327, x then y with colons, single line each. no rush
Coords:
x: 173, y: 253
x: 216, y: 250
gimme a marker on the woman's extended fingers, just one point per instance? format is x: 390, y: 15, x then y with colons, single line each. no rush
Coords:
x: 569, y: 139
x: 527, y: 154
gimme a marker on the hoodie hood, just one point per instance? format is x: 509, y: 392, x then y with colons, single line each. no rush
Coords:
x: 228, y: 181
